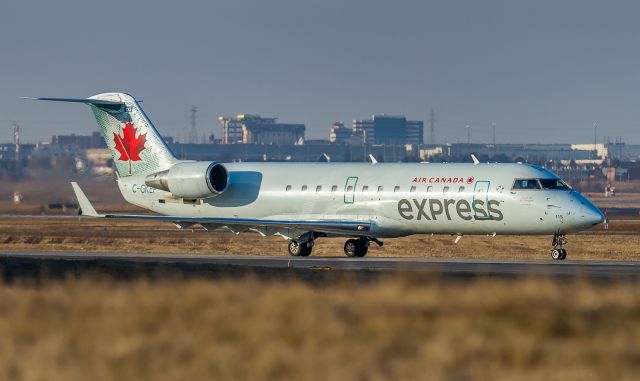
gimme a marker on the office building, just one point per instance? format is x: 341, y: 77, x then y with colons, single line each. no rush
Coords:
x: 254, y: 129
x: 391, y: 130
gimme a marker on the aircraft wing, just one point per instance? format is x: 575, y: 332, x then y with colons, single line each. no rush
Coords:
x: 324, y: 226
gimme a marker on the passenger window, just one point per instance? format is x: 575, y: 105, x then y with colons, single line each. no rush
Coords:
x: 429, y: 188
x: 461, y: 189
x: 350, y: 188
x: 445, y: 189
x: 334, y: 188
x: 304, y: 188
x: 288, y: 188
x: 396, y: 189
x: 526, y: 184
x: 319, y: 189
x: 413, y: 189
x: 380, y: 188
x: 365, y: 188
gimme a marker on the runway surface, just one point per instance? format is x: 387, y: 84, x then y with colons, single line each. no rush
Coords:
x: 15, y: 265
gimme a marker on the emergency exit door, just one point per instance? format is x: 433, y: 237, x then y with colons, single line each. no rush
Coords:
x: 350, y: 190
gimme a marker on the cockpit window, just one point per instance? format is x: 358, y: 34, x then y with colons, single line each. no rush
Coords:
x: 526, y: 184
x: 554, y: 184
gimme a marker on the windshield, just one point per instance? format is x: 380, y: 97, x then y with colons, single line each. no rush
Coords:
x: 548, y: 184
x: 526, y: 184
x: 553, y: 184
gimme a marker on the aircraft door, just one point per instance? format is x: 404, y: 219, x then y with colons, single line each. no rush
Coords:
x: 350, y: 190
x: 481, y: 195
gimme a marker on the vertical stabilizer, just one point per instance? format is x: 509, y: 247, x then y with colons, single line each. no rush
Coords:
x: 136, y: 146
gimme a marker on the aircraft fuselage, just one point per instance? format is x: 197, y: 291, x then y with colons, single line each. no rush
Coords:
x: 399, y: 199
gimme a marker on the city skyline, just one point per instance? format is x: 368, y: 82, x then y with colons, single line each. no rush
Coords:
x: 543, y: 72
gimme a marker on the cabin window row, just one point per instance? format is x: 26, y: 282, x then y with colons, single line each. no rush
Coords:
x: 365, y: 188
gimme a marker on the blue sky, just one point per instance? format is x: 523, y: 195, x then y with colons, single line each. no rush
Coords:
x: 544, y: 71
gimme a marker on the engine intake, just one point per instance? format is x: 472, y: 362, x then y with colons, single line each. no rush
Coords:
x: 191, y: 180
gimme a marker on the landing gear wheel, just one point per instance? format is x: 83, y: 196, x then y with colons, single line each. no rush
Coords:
x: 558, y: 253
x: 356, y: 248
x: 299, y: 249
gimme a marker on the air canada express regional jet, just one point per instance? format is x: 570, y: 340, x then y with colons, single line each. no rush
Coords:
x: 301, y: 202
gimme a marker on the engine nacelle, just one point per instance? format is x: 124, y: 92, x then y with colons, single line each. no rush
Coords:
x: 191, y: 180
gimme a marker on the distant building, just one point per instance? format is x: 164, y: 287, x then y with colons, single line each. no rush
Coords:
x: 79, y: 141
x: 311, y: 151
x: 8, y: 151
x: 392, y: 130
x: 339, y: 134
x: 565, y: 153
x: 623, y: 152
x: 254, y: 129
x: 101, y: 160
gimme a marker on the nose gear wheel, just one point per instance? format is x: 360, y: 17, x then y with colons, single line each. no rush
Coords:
x: 558, y: 252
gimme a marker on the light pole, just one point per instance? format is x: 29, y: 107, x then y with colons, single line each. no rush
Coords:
x: 468, y: 134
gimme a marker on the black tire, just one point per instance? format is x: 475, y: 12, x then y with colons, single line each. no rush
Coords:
x: 563, y: 254
x: 556, y: 254
x: 306, y: 250
x: 363, y: 248
x: 356, y: 248
x: 351, y: 248
x: 297, y: 249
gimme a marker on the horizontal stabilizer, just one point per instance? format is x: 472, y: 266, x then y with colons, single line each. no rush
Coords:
x: 85, y: 206
x: 97, y: 102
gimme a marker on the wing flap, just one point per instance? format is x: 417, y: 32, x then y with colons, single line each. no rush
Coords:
x: 327, y: 226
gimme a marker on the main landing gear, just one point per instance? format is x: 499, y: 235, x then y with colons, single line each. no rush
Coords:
x: 359, y: 247
x: 558, y: 253
x: 300, y: 249
x: 352, y: 248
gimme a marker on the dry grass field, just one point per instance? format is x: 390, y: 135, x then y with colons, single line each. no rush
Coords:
x: 394, y: 329
x: 620, y: 242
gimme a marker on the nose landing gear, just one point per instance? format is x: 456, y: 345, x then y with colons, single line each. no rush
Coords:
x: 558, y: 253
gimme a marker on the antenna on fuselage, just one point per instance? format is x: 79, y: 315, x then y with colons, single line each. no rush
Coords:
x: 373, y: 159
x: 475, y: 159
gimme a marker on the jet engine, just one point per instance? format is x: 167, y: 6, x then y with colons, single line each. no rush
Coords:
x: 191, y: 180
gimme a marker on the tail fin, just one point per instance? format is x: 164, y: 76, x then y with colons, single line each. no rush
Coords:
x: 136, y: 146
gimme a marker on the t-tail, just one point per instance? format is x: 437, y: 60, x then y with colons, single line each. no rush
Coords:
x: 136, y: 146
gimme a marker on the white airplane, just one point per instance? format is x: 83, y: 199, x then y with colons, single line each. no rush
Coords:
x: 305, y: 201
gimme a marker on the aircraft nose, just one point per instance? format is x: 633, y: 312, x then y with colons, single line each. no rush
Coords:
x: 591, y: 215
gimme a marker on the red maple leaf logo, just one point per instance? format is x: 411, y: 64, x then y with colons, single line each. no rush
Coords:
x: 128, y: 145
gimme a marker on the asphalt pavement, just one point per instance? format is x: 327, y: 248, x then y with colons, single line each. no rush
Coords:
x: 16, y: 264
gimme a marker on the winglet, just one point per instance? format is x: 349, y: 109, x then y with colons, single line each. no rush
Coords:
x: 373, y: 159
x: 475, y: 159
x: 85, y: 206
